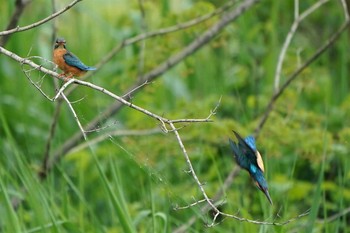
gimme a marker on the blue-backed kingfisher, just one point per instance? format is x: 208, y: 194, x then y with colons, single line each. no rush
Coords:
x: 249, y: 158
x: 67, y: 61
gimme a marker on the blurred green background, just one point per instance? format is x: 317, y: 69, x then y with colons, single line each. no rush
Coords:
x: 131, y: 183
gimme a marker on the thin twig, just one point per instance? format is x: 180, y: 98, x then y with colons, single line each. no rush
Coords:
x: 295, y: 74
x: 75, y: 116
x: 128, y: 95
x: 38, y: 23
x: 228, y: 181
x: 141, y: 63
x: 22, y: 61
x: 189, y: 164
x: 290, y: 35
x: 346, y: 10
x: 20, y: 6
x: 163, y: 31
x: 123, y: 101
x: 190, y: 205
x: 28, y: 72
x: 335, y: 216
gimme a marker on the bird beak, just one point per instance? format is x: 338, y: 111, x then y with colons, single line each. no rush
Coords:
x: 266, y: 192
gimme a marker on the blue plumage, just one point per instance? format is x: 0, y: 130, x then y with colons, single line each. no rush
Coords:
x: 248, y: 157
x: 73, y: 60
x: 250, y: 140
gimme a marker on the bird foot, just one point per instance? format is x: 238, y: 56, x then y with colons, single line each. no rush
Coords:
x: 65, y: 77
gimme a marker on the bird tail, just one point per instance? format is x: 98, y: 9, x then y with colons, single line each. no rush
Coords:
x: 90, y: 68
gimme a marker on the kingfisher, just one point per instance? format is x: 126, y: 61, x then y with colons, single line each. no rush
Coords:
x: 249, y: 158
x: 67, y: 61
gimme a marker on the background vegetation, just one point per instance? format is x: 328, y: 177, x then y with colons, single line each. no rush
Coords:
x: 132, y: 180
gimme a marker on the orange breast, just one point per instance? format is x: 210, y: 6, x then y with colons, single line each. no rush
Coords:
x: 67, y: 69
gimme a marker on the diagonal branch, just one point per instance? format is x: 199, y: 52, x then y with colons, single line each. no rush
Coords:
x: 20, y: 6
x: 124, y: 102
x: 22, y: 61
x: 163, y: 31
x: 291, y: 33
x: 36, y: 24
x: 75, y: 115
x: 296, y: 73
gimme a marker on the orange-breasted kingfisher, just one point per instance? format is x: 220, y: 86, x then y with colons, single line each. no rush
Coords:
x: 249, y: 158
x: 67, y: 61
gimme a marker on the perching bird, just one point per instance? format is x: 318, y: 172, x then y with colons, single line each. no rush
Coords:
x: 67, y: 61
x: 249, y: 158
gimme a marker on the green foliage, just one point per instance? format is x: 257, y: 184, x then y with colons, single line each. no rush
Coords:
x: 132, y: 183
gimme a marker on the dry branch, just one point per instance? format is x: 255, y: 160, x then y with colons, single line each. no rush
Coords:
x: 20, y: 6
x: 298, y: 19
x: 298, y: 71
x: 36, y: 24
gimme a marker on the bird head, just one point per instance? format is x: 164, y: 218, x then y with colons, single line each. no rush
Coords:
x: 60, y: 43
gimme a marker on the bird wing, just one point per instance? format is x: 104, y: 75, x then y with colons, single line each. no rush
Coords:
x: 248, y: 148
x: 239, y: 156
x: 250, y: 140
x: 234, y: 147
x: 243, y: 145
x: 73, y: 60
x: 260, y: 161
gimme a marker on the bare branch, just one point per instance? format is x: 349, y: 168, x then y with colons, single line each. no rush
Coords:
x: 180, y: 26
x: 346, y: 10
x: 36, y: 24
x: 20, y: 6
x: 128, y: 95
x: 123, y: 101
x: 189, y: 164
x: 291, y: 34
x: 230, y: 17
x: 30, y: 63
x: 335, y: 216
x: 167, y: 30
x: 208, y: 119
x: 295, y: 74
x: 228, y: 181
x: 190, y: 205
x: 141, y: 63
x: 75, y: 116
